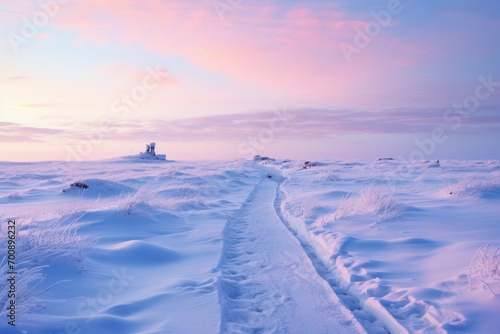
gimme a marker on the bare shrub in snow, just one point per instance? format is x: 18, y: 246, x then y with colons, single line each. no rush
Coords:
x: 39, y: 245
x: 308, y: 206
x: 177, y: 199
x: 28, y: 278
x: 484, y: 269
x: 473, y: 186
x: 128, y: 204
x: 43, y: 243
x: 377, y: 200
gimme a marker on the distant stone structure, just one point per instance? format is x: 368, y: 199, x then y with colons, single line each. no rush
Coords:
x: 151, y: 153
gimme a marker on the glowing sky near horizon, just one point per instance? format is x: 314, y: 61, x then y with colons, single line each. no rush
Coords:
x: 224, y: 79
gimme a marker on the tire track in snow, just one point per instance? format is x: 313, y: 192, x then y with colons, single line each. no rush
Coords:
x: 267, y: 282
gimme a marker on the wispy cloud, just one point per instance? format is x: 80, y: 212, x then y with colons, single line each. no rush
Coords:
x: 15, y: 78
x: 262, y: 49
x: 14, y: 132
x: 307, y: 124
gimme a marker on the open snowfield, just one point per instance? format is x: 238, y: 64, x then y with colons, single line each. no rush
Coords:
x: 251, y: 247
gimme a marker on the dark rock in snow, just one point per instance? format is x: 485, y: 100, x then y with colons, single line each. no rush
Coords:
x: 79, y: 185
x: 259, y: 158
x: 308, y: 164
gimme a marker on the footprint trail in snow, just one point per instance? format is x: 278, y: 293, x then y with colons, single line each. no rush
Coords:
x: 268, y: 283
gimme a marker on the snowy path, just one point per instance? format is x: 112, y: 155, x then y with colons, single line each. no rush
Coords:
x: 268, y: 283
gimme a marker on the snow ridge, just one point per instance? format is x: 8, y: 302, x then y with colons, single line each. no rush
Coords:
x: 371, y: 315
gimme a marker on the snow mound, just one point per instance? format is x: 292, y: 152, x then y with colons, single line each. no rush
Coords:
x: 435, y: 164
x: 136, y: 253
x: 470, y: 187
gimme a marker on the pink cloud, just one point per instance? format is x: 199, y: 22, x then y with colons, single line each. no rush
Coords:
x: 13, y: 132
x: 269, y: 50
x: 288, y: 52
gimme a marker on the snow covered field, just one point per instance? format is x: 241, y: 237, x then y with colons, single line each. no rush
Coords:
x: 252, y: 247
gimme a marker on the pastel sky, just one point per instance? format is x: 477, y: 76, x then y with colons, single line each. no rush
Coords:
x: 222, y: 79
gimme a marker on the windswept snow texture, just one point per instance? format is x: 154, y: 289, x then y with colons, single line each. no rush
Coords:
x: 264, y: 246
